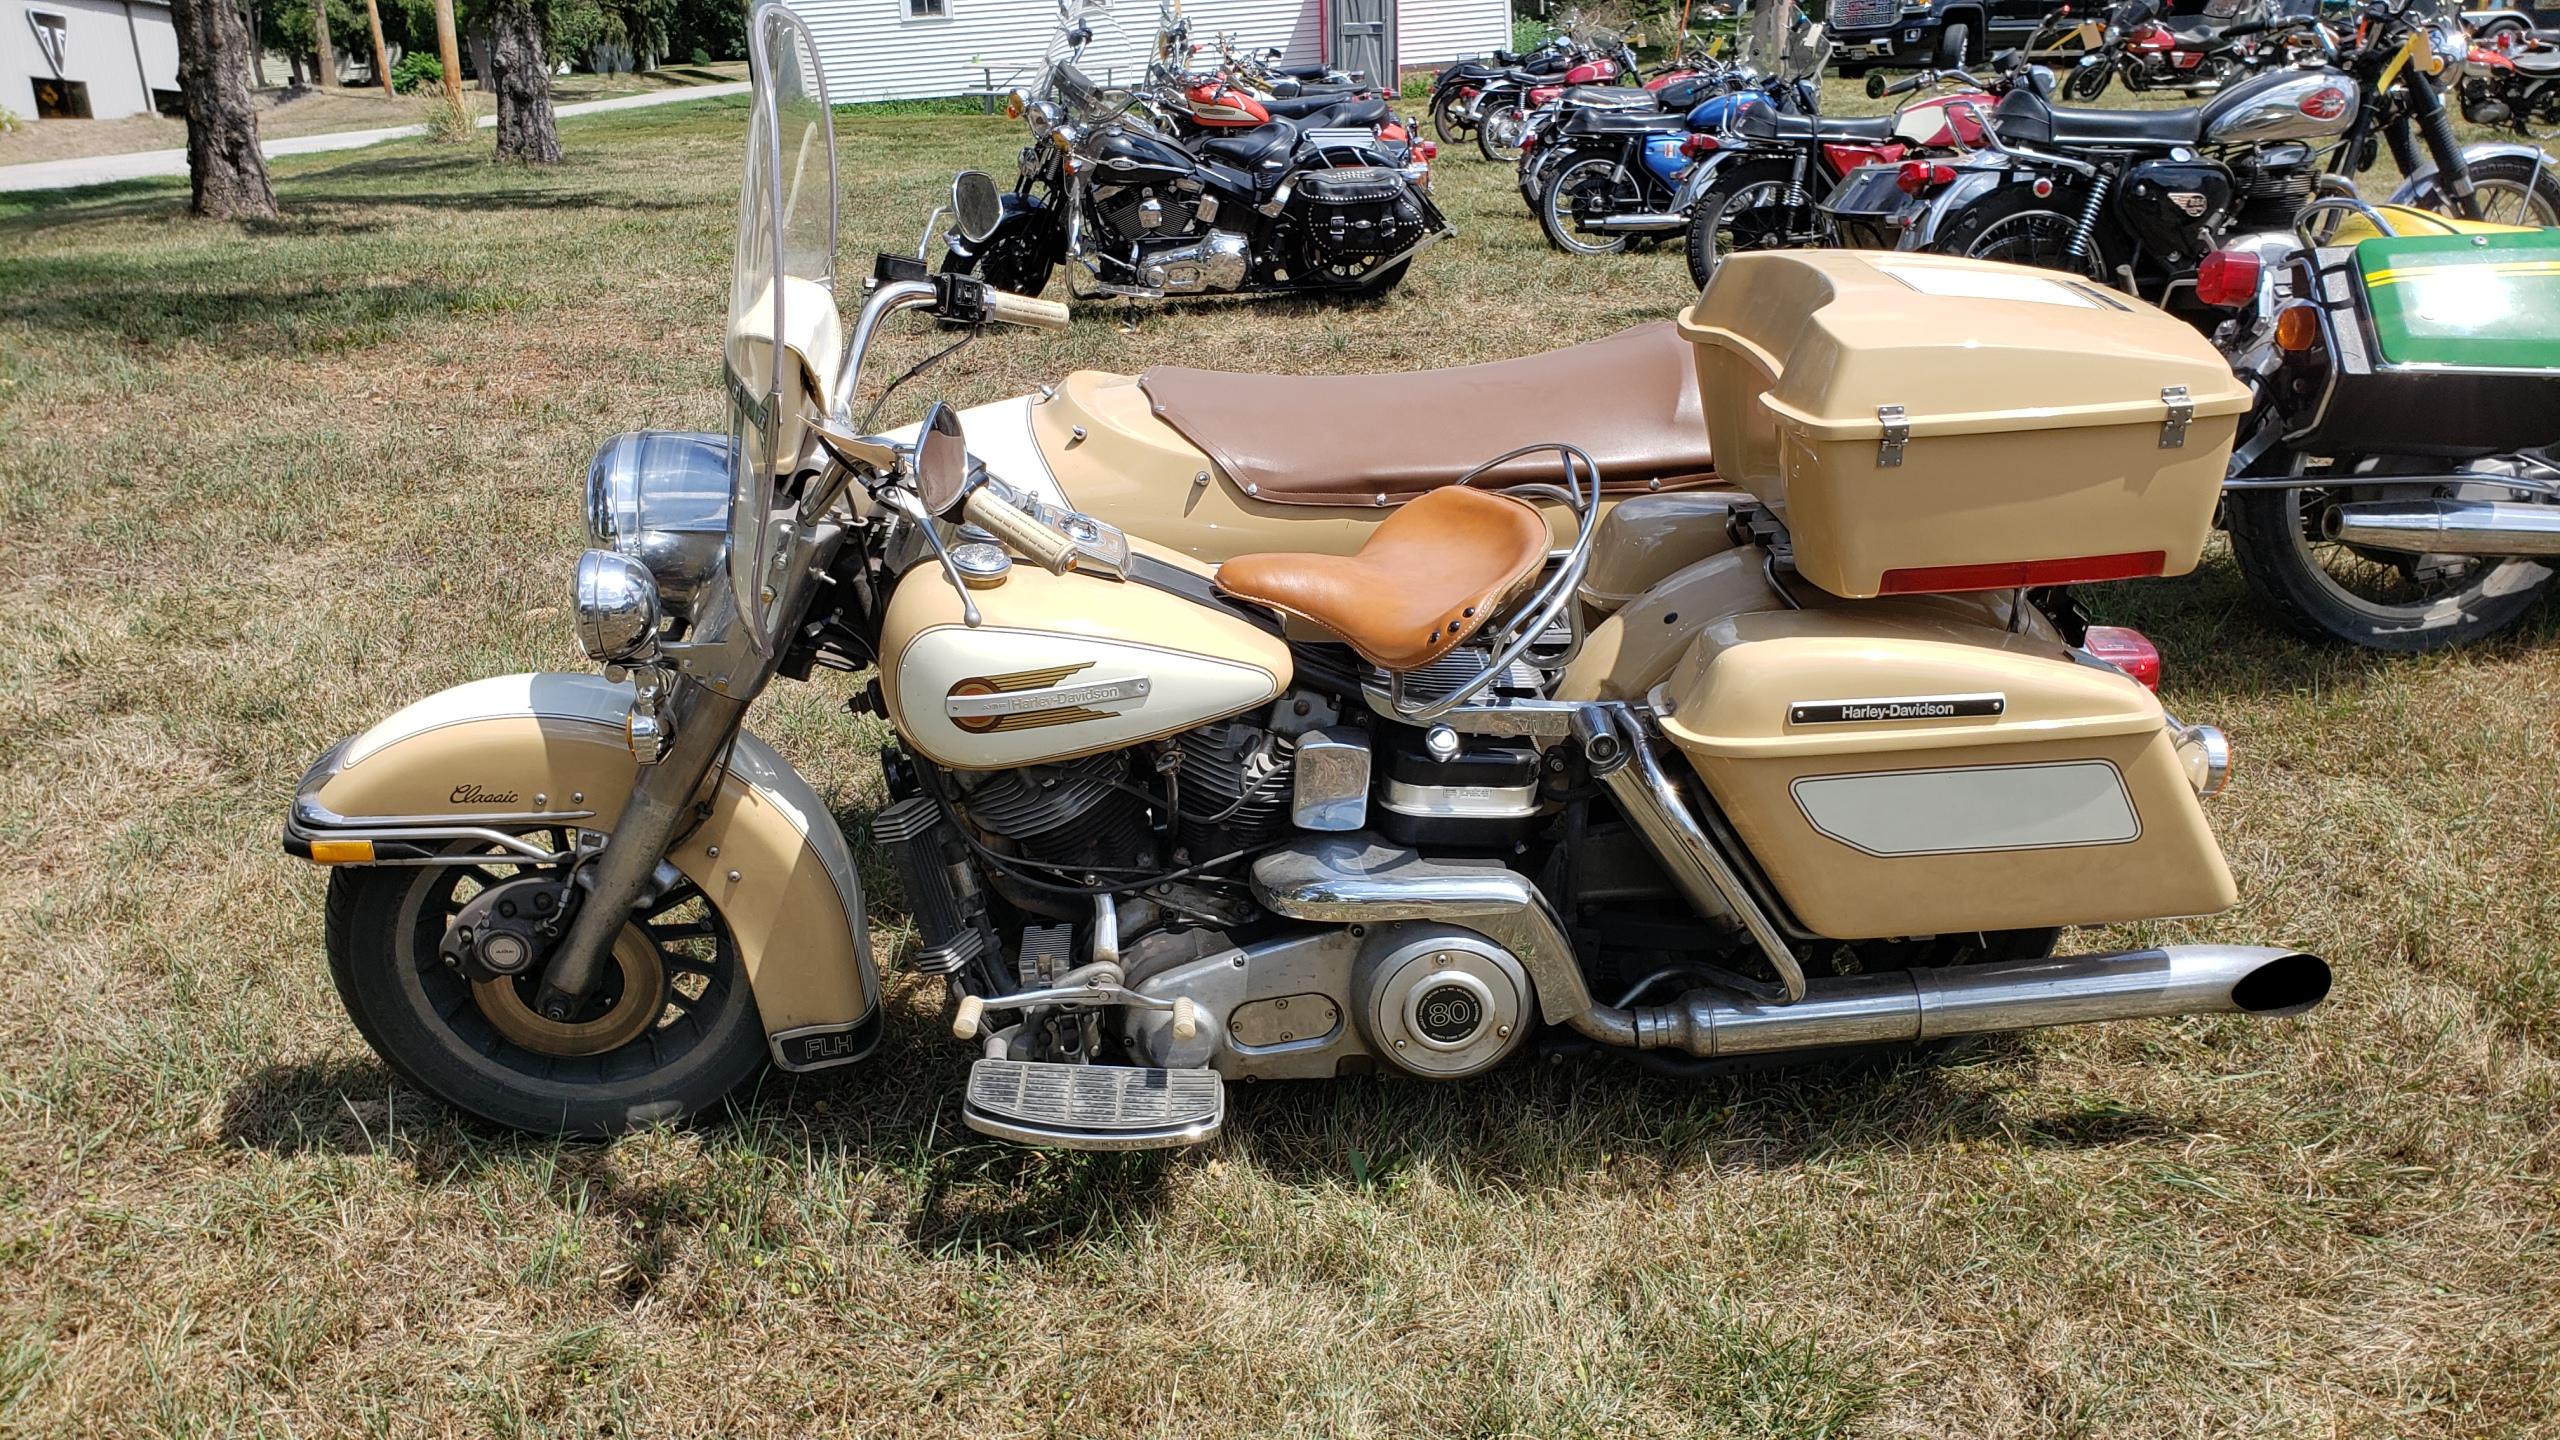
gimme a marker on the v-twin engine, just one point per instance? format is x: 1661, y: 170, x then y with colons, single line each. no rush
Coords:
x: 1219, y: 260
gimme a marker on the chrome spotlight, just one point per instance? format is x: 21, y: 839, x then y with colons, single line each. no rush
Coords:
x: 617, y: 606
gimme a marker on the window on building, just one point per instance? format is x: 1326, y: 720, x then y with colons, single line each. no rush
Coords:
x: 61, y: 99
x: 928, y: 9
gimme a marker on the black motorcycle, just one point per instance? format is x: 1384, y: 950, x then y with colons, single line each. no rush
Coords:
x: 1457, y: 92
x: 1110, y: 191
x: 2138, y: 197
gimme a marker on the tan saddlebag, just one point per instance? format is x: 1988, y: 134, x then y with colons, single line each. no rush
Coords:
x: 1897, y: 771
x: 1922, y: 423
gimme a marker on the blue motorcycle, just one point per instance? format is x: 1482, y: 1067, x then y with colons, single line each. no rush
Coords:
x: 1612, y: 175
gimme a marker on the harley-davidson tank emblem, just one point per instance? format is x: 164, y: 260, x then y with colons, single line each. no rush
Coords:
x: 1032, y: 699
x: 1903, y: 707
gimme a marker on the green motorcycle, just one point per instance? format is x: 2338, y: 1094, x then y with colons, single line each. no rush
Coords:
x: 2395, y: 484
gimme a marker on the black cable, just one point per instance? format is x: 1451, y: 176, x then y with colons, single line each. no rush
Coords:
x: 913, y: 371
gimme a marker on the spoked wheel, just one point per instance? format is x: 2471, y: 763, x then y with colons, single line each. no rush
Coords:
x: 1499, y: 129
x: 1446, y: 122
x: 2326, y: 589
x: 1752, y: 216
x: 2538, y: 112
x: 1589, y: 186
x: 669, y: 1028
x: 2511, y: 190
x: 2011, y: 224
x: 2088, y: 82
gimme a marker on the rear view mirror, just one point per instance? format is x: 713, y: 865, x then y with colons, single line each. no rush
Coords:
x: 942, y: 460
x: 1875, y: 84
x: 975, y: 205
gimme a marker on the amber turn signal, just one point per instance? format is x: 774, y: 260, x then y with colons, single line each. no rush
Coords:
x: 2298, y: 327
x: 341, y: 852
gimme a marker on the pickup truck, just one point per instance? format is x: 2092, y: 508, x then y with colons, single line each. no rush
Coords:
x: 1941, y: 33
x: 2529, y: 17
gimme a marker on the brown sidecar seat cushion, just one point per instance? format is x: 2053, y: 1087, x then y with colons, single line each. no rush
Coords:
x: 1428, y: 577
x: 1630, y: 401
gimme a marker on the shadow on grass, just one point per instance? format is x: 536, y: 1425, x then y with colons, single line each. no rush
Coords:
x: 1549, y: 1123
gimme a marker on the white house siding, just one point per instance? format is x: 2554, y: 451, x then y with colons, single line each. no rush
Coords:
x: 1435, y: 32
x: 98, y: 51
x: 871, y: 50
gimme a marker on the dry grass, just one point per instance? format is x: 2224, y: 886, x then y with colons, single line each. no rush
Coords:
x: 261, y: 485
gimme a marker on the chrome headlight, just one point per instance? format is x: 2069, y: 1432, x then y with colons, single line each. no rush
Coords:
x: 617, y: 608
x: 2451, y: 46
x: 660, y: 498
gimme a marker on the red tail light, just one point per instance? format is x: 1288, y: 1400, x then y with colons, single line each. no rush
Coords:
x: 2128, y: 650
x: 1426, y: 151
x: 1700, y: 144
x: 2016, y: 574
x: 2228, y: 279
x: 1917, y: 176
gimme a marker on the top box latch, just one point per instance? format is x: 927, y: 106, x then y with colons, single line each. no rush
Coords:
x: 1897, y: 433
x: 2182, y: 411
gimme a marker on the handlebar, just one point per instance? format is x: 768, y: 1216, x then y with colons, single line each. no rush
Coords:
x: 1015, y: 309
x: 997, y: 516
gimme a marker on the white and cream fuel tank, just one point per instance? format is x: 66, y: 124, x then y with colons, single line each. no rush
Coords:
x: 1061, y: 666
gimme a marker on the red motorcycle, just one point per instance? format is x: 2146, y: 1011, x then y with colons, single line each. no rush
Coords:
x: 2153, y: 51
x: 1504, y: 107
x: 2511, y: 79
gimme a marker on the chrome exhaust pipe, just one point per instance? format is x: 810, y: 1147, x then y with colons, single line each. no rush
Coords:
x: 2447, y: 527
x: 1649, y: 223
x: 1909, y: 1006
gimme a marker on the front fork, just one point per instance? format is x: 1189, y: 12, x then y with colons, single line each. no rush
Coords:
x: 664, y: 803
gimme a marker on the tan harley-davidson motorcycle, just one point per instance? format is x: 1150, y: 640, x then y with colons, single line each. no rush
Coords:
x: 1229, y: 752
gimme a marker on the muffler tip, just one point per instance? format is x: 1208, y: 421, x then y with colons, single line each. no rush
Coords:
x: 2285, y: 985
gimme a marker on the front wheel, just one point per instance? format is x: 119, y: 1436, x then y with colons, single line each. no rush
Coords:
x: 1588, y: 184
x: 669, y: 1029
x: 2509, y: 189
x: 2324, y: 589
x: 1498, y: 131
x: 2088, y: 82
x: 1017, y: 258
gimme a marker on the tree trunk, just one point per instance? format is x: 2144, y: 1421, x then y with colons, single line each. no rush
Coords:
x: 228, y: 171
x: 381, y: 58
x: 324, y: 67
x: 257, y: 51
x: 523, y: 74
x: 449, y: 51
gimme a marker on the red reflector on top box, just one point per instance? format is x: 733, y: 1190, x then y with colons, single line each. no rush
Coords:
x: 1925, y: 423
x: 2022, y: 574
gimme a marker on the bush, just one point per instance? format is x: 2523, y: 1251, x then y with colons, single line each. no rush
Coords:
x: 8, y: 120
x: 699, y: 56
x: 1528, y: 35
x: 449, y: 123
x: 417, y: 72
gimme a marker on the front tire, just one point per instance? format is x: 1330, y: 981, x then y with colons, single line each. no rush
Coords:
x: 1445, y: 122
x: 2510, y: 190
x: 670, y: 1030
x: 1498, y: 132
x: 1017, y: 258
x: 2089, y: 83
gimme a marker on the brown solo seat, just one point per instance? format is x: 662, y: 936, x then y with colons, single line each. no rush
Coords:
x: 1630, y: 401
x: 1428, y: 577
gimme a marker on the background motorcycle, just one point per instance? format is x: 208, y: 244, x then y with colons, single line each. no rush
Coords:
x: 2511, y: 79
x: 1503, y: 108
x: 1269, y: 208
x: 2140, y: 196
x: 1456, y: 92
x: 2197, y: 54
x: 1767, y: 182
x: 2394, y: 486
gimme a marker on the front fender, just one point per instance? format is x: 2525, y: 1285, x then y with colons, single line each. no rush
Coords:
x: 1014, y: 211
x: 2415, y: 188
x: 521, y: 751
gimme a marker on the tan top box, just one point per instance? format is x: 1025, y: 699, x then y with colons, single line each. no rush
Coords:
x: 1925, y: 423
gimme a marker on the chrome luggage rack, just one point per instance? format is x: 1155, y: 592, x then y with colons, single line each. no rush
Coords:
x: 1524, y: 631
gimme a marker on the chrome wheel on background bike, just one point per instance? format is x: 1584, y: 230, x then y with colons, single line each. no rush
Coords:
x: 2286, y: 544
x: 1753, y: 216
x: 1590, y: 185
x: 1499, y: 129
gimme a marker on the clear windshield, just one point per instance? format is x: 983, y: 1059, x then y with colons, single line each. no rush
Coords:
x: 1090, y: 53
x: 784, y: 335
